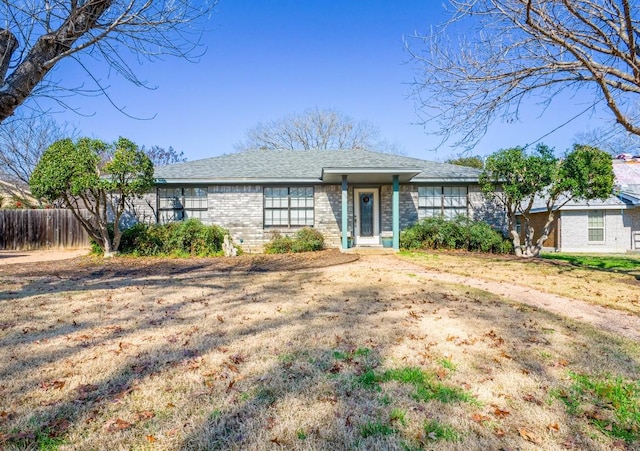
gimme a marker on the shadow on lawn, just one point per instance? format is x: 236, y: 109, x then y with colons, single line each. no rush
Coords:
x: 313, y: 353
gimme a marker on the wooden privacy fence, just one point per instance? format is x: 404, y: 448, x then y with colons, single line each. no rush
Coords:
x: 40, y: 229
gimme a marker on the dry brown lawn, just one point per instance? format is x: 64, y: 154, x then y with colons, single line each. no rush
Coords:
x: 600, y: 287
x: 275, y: 352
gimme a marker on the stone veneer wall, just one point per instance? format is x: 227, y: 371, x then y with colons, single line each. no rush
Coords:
x: 479, y: 207
x: 239, y: 209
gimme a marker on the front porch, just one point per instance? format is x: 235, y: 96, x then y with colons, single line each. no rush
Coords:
x: 367, y: 208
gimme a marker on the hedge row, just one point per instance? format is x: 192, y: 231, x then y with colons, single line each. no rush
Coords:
x: 458, y: 233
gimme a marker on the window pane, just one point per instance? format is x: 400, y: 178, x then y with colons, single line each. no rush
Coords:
x: 195, y: 202
x: 432, y: 212
x: 596, y: 234
x: 291, y: 206
x: 596, y: 218
x: 170, y: 197
x: 276, y: 192
x: 169, y: 192
x: 195, y: 192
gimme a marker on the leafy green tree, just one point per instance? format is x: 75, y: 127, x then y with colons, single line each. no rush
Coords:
x: 516, y: 179
x: 471, y: 162
x: 93, y: 175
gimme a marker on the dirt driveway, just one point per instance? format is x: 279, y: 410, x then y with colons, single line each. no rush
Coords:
x: 10, y: 257
x: 614, y: 321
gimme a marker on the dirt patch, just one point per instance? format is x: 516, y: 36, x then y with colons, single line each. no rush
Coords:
x: 26, y: 257
x: 142, y: 267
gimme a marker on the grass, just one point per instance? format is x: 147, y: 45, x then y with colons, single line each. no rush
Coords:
x: 608, y: 281
x: 204, y: 355
x: 614, y: 263
x: 436, y: 431
x: 612, y: 404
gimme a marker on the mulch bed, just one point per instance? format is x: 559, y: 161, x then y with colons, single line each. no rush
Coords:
x: 92, y: 266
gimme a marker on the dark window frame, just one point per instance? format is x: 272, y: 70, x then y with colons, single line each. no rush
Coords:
x: 446, y: 202
x: 295, y: 203
x: 182, y: 203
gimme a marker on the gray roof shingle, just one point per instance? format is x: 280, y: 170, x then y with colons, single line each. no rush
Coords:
x: 304, y: 164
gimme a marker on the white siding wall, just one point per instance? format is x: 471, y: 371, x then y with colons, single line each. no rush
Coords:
x: 619, y: 227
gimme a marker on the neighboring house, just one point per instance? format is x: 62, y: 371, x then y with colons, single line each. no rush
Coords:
x: 13, y: 196
x: 354, y: 197
x: 597, y: 226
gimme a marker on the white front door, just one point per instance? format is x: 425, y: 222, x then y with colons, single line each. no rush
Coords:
x: 366, y: 216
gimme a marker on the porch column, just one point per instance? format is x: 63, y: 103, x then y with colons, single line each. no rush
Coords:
x: 345, y: 214
x: 395, y: 212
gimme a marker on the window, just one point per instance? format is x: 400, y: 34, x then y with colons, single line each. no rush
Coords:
x: 596, y: 225
x: 288, y: 206
x: 176, y: 204
x: 448, y: 201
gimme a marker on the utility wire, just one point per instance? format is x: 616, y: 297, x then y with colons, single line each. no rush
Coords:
x: 561, y: 125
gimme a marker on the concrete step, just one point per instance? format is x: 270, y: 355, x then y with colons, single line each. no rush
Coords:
x: 369, y: 250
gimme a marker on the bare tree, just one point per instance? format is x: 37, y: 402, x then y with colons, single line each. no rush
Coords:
x: 511, y: 50
x: 613, y: 141
x: 23, y: 139
x: 315, y: 129
x: 160, y: 156
x: 36, y: 36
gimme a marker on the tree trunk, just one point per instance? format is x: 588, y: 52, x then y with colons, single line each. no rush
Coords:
x: 515, y: 238
x: 15, y: 88
x: 546, y: 230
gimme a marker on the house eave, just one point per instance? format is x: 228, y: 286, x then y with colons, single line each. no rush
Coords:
x: 238, y: 181
x: 445, y: 180
x: 368, y: 174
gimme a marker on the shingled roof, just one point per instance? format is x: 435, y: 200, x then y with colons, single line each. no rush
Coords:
x: 306, y: 166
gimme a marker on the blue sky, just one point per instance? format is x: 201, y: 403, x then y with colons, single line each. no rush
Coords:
x: 267, y: 59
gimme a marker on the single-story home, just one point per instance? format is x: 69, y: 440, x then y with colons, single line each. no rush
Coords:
x: 598, y: 226
x: 354, y: 197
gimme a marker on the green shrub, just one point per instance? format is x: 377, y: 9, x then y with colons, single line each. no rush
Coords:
x: 457, y: 233
x: 308, y: 240
x: 305, y: 240
x: 279, y: 244
x: 185, y: 238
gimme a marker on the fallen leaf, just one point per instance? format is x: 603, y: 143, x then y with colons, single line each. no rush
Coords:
x: 500, y: 413
x: 554, y: 427
x: 172, y: 432
x: 277, y: 441
x: 151, y: 438
x: 56, y: 385
x: 530, y: 398
x: 220, y: 318
x: 499, y: 433
x: 479, y: 418
x: 58, y: 427
x: 117, y: 425
x: 144, y: 415
x: 271, y: 422
x: 529, y: 436
x: 236, y: 358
